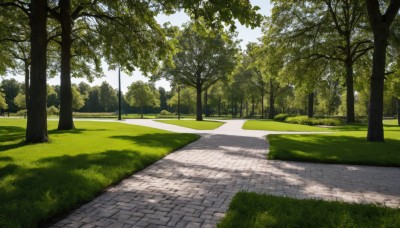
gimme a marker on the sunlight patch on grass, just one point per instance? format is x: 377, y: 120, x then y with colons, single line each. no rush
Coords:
x: 256, y: 210
x: 270, y: 125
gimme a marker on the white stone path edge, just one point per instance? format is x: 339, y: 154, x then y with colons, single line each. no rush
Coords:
x: 193, y: 186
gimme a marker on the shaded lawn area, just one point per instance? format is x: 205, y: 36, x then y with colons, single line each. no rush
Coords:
x: 40, y: 181
x: 270, y: 125
x: 345, y: 147
x: 255, y: 210
x: 197, y: 125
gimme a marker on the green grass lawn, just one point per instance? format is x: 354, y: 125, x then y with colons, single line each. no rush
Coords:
x: 198, y: 125
x: 254, y: 210
x: 270, y: 125
x: 40, y: 181
x: 347, y: 145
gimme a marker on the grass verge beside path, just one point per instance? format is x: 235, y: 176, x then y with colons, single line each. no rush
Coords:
x: 255, y: 210
x: 270, y: 125
x: 43, y: 180
x: 193, y: 124
x: 344, y: 147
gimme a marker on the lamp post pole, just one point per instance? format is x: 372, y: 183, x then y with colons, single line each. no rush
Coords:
x: 179, y: 102
x: 119, y: 93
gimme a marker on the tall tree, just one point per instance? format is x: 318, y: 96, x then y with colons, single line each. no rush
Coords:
x: 380, y: 24
x: 330, y: 30
x: 141, y: 94
x: 202, y: 60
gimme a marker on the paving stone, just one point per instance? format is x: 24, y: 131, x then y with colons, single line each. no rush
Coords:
x: 193, y: 186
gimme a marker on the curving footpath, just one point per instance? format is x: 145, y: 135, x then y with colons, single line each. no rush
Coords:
x: 193, y: 186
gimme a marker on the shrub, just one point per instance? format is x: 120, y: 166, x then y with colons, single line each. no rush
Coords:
x: 164, y: 113
x: 313, y: 121
x: 281, y: 117
x: 52, y: 110
x: 22, y: 112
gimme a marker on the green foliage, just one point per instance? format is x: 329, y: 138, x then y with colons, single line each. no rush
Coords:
x: 281, y: 117
x: 141, y: 94
x: 3, y: 103
x: 197, y: 125
x: 255, y: 210
x: 347, y: 147
x: 164, y: 112
x: 39, y: 181
x: 52, y: 110
x: 20, y: 101
x: 10, y: 88
x: 77, y: 99
x: 305, y: 120
x: 22, y: 112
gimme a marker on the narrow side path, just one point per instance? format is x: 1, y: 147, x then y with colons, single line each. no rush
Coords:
x: 193, y: 186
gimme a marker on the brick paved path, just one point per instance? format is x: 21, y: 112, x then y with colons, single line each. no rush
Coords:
x: 193, y: 186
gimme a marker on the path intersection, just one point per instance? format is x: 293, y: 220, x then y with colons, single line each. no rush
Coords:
x: 193, y: 186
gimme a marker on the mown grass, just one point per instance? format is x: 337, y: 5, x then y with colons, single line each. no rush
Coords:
x: 348, y: 145
x: 193, y: 124
x: 270, y: 125
x: 40, y: 181
x: 255, y: 210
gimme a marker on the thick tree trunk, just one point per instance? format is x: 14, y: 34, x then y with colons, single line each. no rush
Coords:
x: 36, y: 129
x: 199, y: 106
x: 310, y: 112
x: 350, y: 117
x: 375, y: 126
x: 65, y: 121
x: 398, y: 111
x: 26, y: 85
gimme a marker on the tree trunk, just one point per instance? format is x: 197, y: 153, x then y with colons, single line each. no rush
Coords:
x: 141, y: 111
x: 375, y: 126
x: 350, y: 117
x: 271, y: 101
x: 398, y: 111
x: 252, y: 107
x: 219, y: 106
x: 207, y: 112
x: 65, y: 121
x: 262, y: 104
x: 199, y: 106
x: 310, y: 112
x: 27, y: 84
x: 36, y: 129
x: 241, y: 107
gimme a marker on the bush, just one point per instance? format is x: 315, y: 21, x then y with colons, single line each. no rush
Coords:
x: 22, y: 112
x: 305, y: 120
x: 281, y: 117
x: 164, y: 113
x: 52, y: 110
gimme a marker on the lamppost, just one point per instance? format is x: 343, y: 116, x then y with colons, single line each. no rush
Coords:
x: 179, y: 102
x: 119, y: 93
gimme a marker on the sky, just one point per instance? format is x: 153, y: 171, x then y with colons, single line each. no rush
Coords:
x: 246, y: 35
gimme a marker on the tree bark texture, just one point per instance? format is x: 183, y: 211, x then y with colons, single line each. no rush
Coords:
x: 380, y: 25
x: 36, y: 129
x: 398, y: 111
x: 350, y: 116
x: 271, y: 101
x: 27, y: 74
x: 66, y: 119
x: 199, y: 105
x: 310, y: 112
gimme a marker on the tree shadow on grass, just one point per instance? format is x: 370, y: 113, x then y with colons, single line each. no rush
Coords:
x: 73, y: 131
x: 57, y: 185
x: 165, y: 140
